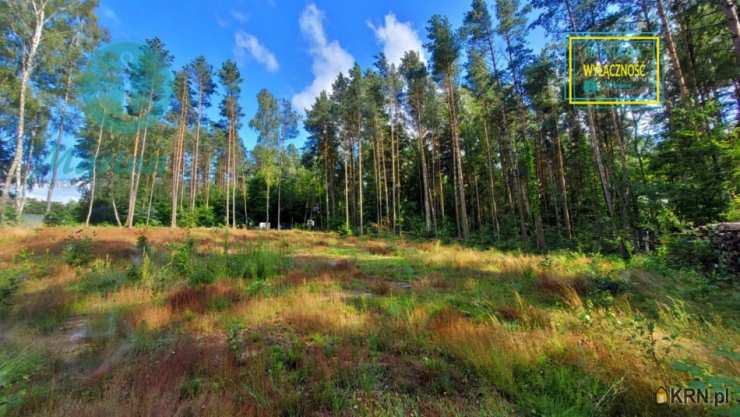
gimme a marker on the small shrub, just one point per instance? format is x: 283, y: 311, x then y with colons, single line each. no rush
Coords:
x: 257, y: 262
x: 142, y: 243
x: 182, y: 256
x: 549, y: 389
x: 193, y: 299
x: 201, y: 275
x: 234, y: 336
x: 16, y: 370
x: 686, y: 250
x: 103, y: 281
x: 60, y: 216
x: 191, y: 388
x: 9, y: 280
x: 78, y: 252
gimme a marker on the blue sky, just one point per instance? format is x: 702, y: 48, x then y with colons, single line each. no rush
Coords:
x: 292, y: 48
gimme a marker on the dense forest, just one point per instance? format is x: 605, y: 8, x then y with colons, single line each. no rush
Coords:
x: 452, y: 234
x: 477, y: 143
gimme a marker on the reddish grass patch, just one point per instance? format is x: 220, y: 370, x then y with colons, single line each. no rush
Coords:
x: 569, y: 292
x: 52, y: 302
x: 193, y: 299
x: 343, y: 265
x: 379, y: 248
x: 379, y: 287
x: 198, y: 299
x: 508, y: 313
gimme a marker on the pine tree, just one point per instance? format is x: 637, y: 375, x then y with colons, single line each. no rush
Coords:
x: 230, y: 78
x: 149, y: 78
x: 445, y: 49
x: 267, y: 123
x: 201, y: 73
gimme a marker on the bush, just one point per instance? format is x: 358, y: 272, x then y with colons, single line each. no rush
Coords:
x: 182, y: 256
x: 687, y: 250
x: 103, y: 281
x: 17, y: 367
x: 554, y: 390
x: 258, y: 262
x: 59, y: 217
x: 78, y: 252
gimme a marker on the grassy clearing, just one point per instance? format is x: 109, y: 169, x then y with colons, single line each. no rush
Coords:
x: 161, y: 322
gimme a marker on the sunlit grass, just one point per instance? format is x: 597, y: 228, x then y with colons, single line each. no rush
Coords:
x: 275, y: 322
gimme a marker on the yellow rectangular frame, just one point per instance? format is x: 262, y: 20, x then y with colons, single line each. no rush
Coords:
x: 610, y: 37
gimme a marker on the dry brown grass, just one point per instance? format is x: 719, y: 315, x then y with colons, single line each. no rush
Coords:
x: 51, y: 301
x: 490, y: 350
x: 305, y: 311
x: 125, y: 297
x: 198, y: 299
x: 380, y: 287
x: 152, y: 316
x: 431, y: 281
x: 156, y: 387
x: 379, y: 248
x: 568, y: 289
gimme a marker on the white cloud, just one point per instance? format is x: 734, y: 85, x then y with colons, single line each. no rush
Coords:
x: 223, y: 23
x: 64, y: 192
x: 239, y: 16
x: 329, y: 59
x: 109, y: 14
x: 248, y: 43
x: 397, y: 38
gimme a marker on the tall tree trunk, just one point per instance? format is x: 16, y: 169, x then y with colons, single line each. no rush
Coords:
x: 94, y: 172
x: 384, y: 174
x: 346, y: 194
x: 376, y: 175
x: 27, y: 67
x: 196, y: 152
x: 228, y: 169
x: 115, y: 210
x: 438, y: 164
x: 460, y: 185
x: 424, y: 177
x: 233, y: 172
x: 278, y: 204
x: 360, y: 185
x: 267, y: 203
x: 140, y: 162
x: 58, y: 143
x: 327, y: 180
x: 491, y: 184
x: 151, y: 188
x: 595, y: 142
x: 562, y: 185
x: 729, y: 8
x: 671, y: 46
x: 478, y: 216
x: 132, y: 183
x: 626, y: 206
x: 24, y: 182
x: 177, y: 154
x: 207, y: 178
x: 244, y: 199
x: 393, y: 173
